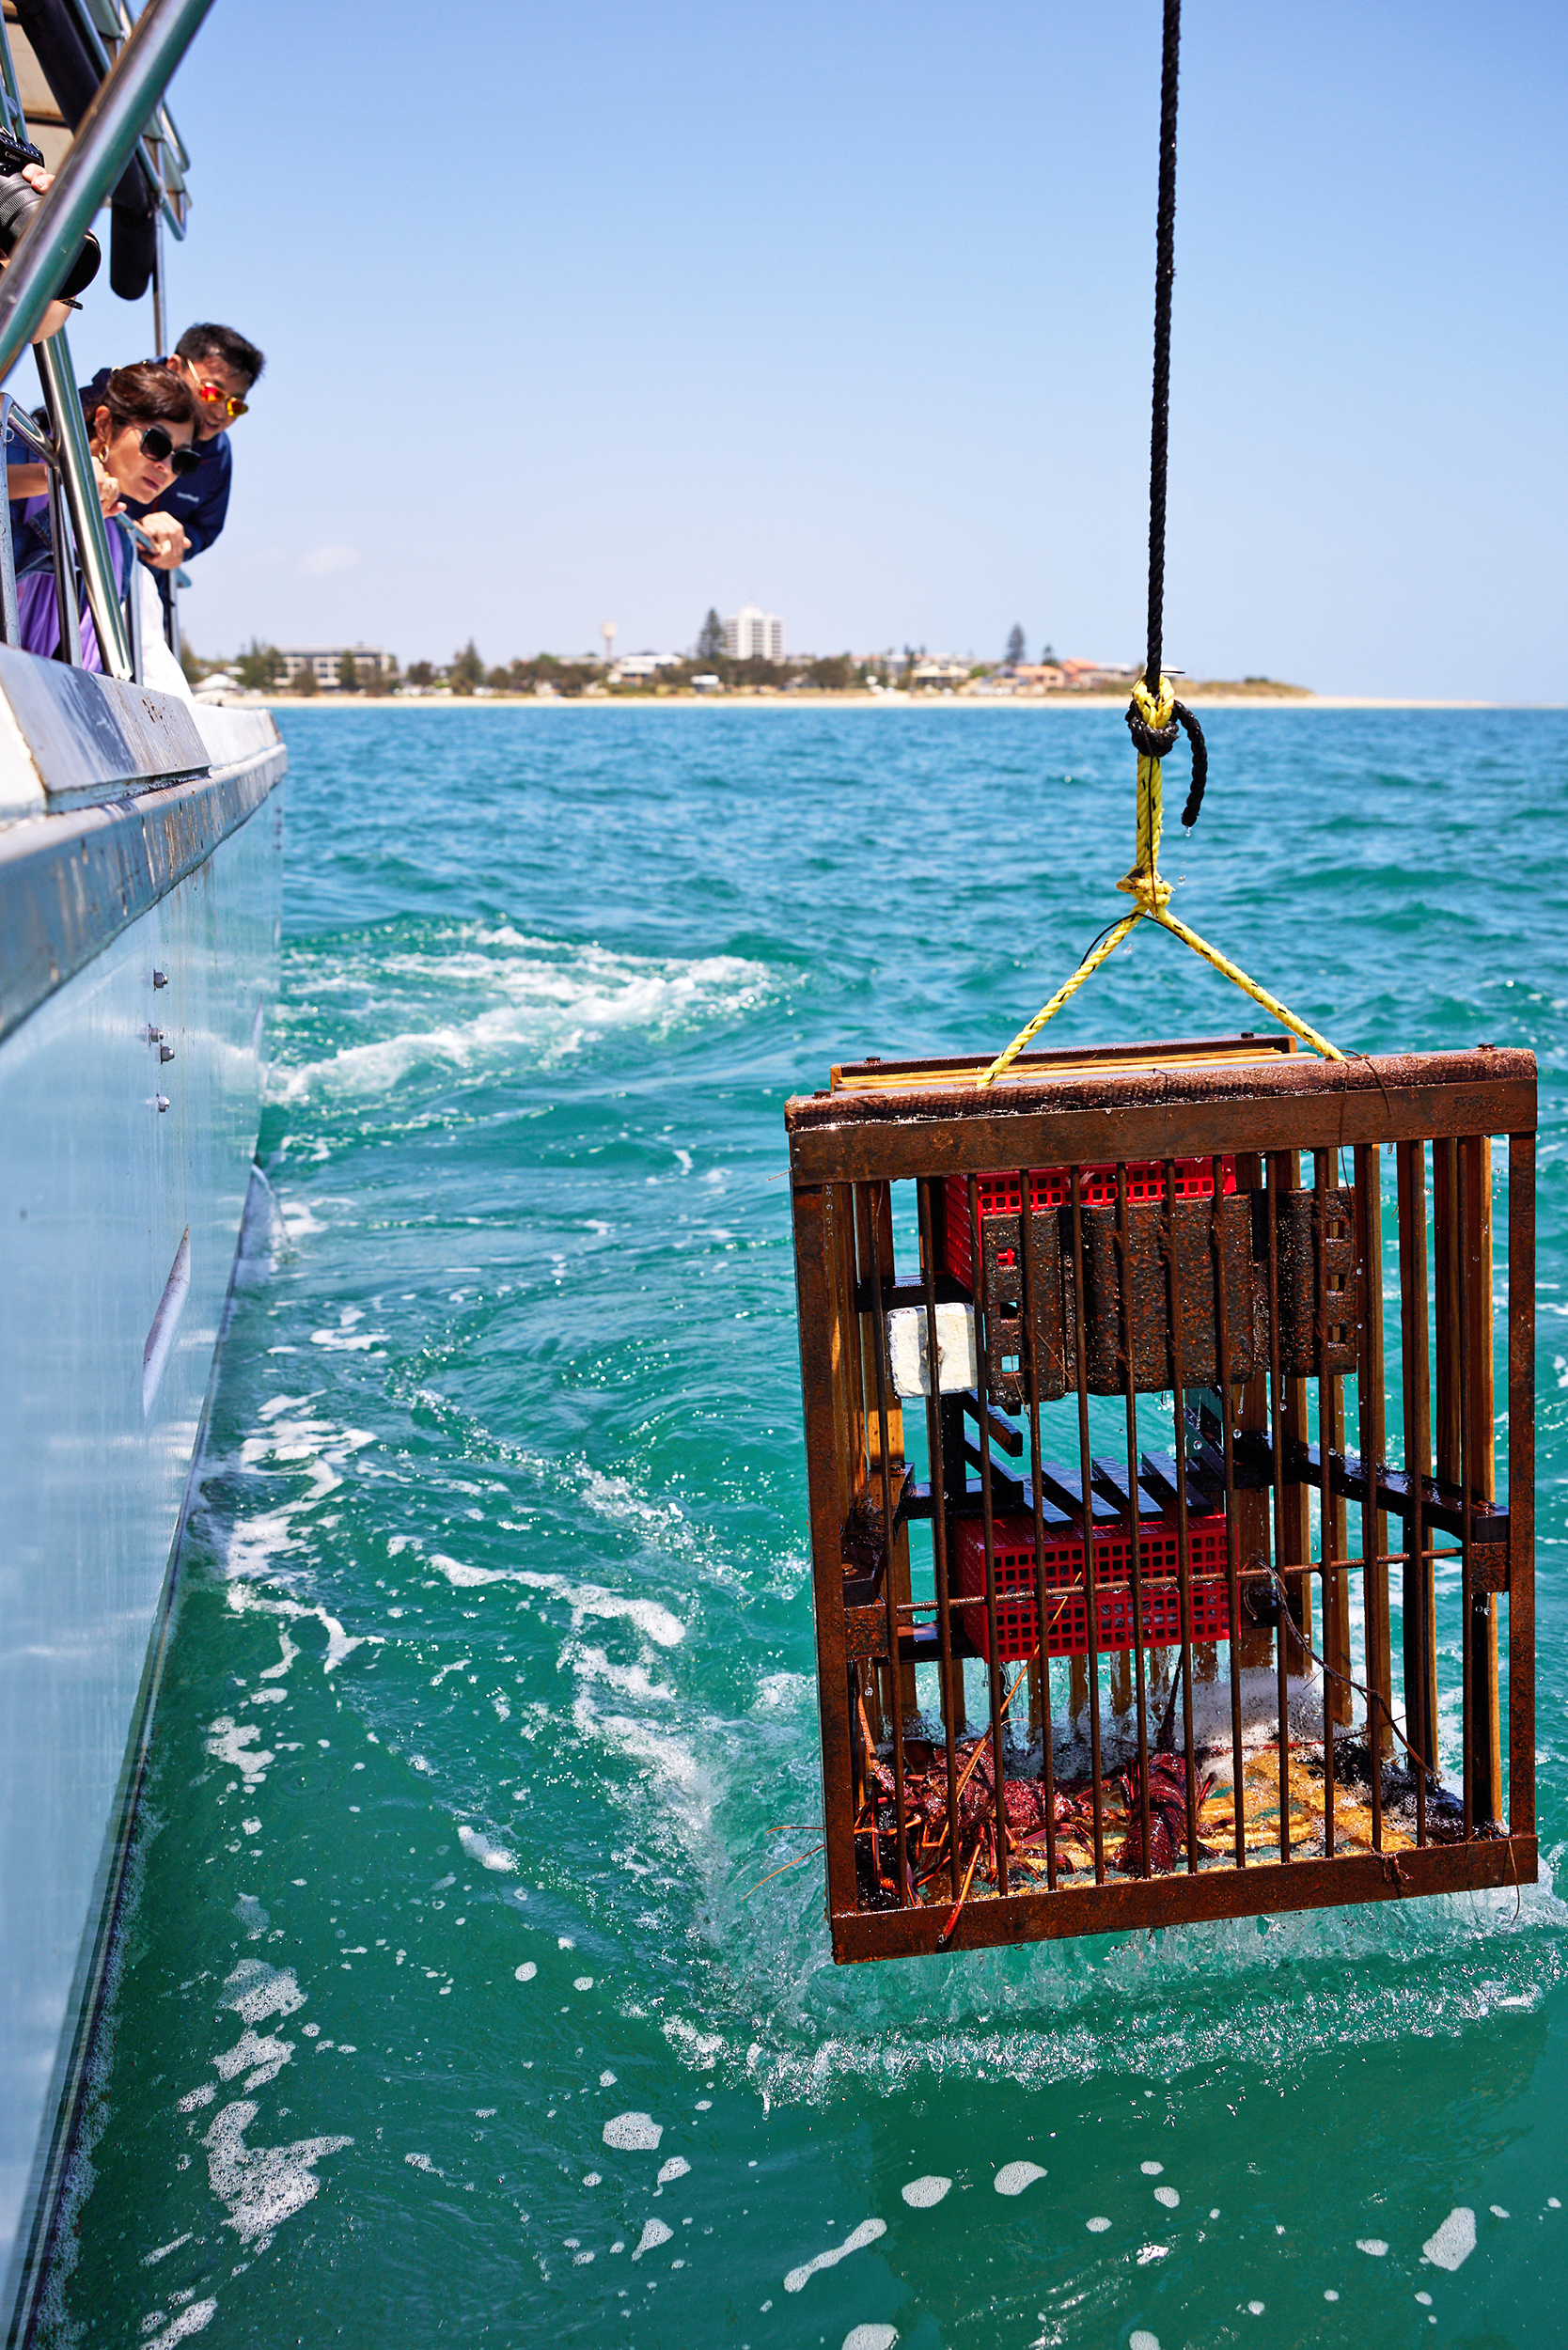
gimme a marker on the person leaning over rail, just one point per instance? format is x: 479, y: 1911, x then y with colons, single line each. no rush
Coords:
x: 140, y: 433
x: 220, y: 367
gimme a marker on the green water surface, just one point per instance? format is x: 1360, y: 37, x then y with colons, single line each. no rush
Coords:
x: 449, y: 2013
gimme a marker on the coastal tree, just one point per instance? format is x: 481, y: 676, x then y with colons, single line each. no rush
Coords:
x: 419, y: 673
x: 260, y: 667
x: 304, y: 678
x: 466, y: 670
x: 348, y: 674
x: 1014, y: 646
x: 710, y: 638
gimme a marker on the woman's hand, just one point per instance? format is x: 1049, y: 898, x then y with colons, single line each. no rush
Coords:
x: 108, y: 489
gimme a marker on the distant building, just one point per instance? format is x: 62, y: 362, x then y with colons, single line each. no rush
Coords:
x: 369, y: 659
x: 1086, y: 676
x: 753, y: 635
x: 632, y: 667
x: 939, y: 673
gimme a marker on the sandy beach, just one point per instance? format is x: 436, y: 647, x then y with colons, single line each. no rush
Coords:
x: 1054, y: 702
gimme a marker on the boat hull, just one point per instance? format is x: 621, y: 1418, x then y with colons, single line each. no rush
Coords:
x: 130, y: 1095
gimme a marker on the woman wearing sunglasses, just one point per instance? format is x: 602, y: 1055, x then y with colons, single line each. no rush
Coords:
x: 140, y: 426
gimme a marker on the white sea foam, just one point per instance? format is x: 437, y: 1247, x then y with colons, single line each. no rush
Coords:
x: 193, y: 2319
x: 627, y: 1680
x: 633, y: 2133
x: 262, y: 2186
x: 1451, y: 2245
x: 685, y: 1786
x: 1098, y: 2225
x: 150, y: 2259
x: 871, y: 2338
x: 260, y: 2056
x: 783, y: 1692
x: 234, y: 1742
x: 855, y: 2241
x: 1374, y: 2246
x: 489, y: 1855
x: 1140, y: 2338
x: 700, y: 2049
x: 676, y: 2167
x: 255, y: 1990
x: 1167, y: 2196
x: 585, y: 1600
x: 923, y: 2194
x: 276, y: 1672
x: 526, y: 1972
x: 1013, y: 2177
x: 655, y: 2232
x: 1151, y: 2170
x: 539, y: 997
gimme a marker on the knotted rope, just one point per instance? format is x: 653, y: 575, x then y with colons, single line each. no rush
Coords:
x: 1153, y: 722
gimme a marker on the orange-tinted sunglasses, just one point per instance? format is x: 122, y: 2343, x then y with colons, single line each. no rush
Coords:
x: 210, y: 393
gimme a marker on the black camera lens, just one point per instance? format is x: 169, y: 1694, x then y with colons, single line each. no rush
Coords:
x: 19, y: 201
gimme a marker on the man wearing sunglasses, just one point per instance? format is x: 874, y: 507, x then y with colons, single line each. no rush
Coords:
x: 220, y: 367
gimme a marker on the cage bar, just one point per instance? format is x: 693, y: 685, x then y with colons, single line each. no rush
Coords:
x: 1233, y: 1705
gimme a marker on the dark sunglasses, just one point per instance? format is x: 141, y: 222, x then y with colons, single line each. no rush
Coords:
x: 159, y: 446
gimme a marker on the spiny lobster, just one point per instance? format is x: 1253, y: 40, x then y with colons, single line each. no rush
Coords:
x: 1167, y: 1815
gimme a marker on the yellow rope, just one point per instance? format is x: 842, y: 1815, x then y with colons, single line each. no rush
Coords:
x: 1151, y: 897
x: 1092, y: 962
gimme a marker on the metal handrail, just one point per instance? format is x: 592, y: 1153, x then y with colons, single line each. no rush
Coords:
x: 105, y: 136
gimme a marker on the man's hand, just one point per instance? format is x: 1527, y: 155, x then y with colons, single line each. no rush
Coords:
x: 171, y: 540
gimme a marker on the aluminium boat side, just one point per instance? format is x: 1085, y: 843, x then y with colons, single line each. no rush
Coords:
x: 140, y: 878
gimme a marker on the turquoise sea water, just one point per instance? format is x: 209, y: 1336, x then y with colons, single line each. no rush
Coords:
x: 493, y: 1670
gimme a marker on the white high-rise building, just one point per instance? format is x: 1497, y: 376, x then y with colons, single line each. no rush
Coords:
x: 753, y: 635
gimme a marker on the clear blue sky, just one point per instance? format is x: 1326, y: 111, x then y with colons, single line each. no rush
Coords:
x: 618, y: 312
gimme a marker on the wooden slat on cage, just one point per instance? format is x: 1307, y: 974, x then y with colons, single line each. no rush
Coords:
x: 1108, y: 1512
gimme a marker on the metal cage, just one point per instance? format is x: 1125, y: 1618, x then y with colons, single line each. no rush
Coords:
x: 1158, y: 1279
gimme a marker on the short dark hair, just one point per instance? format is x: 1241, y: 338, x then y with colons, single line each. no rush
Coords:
x: 222, y: 342
x: 144, y: 394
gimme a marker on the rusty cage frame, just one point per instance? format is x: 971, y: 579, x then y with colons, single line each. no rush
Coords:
x: 1062, y: 1302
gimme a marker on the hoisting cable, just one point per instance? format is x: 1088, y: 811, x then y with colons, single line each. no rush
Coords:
x: 1154, y: 718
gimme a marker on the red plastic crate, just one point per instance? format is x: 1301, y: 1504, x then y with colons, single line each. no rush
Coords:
x: 1067, y: 1605
x: 1051, y: 1188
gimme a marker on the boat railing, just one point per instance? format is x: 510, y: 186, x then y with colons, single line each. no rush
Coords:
x: 126, y: 116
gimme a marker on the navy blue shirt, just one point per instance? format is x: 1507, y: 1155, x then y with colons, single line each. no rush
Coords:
x: 200, y: 500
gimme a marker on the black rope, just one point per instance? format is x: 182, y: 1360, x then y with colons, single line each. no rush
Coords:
x: 1165, y: 274
x: 1159, y: 741
x: 1156, y: 742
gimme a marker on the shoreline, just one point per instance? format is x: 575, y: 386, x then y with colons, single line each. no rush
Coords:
x: 849, y: 701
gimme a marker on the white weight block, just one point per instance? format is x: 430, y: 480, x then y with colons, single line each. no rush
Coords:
x: 908, y: 1359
